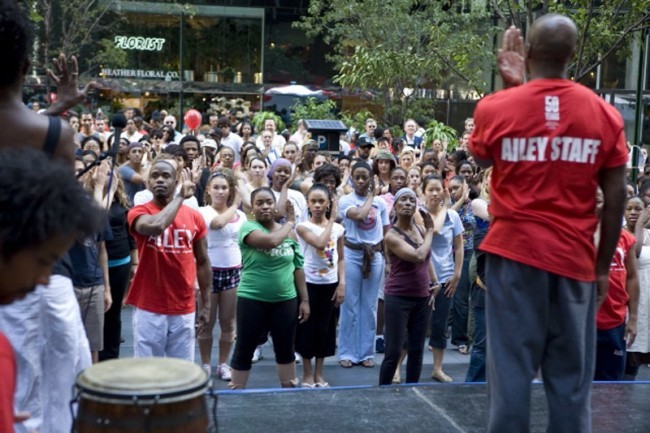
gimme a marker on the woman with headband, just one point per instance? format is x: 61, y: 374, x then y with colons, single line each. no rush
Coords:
x: 410, y: 288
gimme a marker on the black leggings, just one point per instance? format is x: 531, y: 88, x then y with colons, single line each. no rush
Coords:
x: 119, y: 279
x: 253, y: 318
x: 406, y: 319
x: 317, y: 336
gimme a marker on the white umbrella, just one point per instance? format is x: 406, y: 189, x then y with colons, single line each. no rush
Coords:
x: 294, y: 89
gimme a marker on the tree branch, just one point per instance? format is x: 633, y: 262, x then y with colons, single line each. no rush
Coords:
x: 456, y: 71
x: 585, y: 32
x: 499, y: 12
x: 641, y: 24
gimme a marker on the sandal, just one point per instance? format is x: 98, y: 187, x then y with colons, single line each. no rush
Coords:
x: 368, y: 363
x: 309, y: 385
x: 463, y: 349
x: 346, y: 363
x: 441, y: 377
x: 322, y: 385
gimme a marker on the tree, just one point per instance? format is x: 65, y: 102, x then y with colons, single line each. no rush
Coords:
x: 604, y: 27
x: 398, y: 47
x: 67, y: 26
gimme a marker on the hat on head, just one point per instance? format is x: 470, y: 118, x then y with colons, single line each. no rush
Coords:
x: 275, y: 164
x: 403, y: 191
x: 364, y: 142
x: 208, y: 142
x: 133, y: 145
x: 384, y: 154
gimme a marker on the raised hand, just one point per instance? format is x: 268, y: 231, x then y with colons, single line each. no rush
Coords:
x: 511, y: 58
x: 198, y: 164
x: 426, y: 217
x: 334, y: 210
x: 237, y: 200
x: 187, y: 189
x: 65, y: 77
x: 289, y: 211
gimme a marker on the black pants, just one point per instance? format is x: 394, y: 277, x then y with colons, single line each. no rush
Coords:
x: 317, y: 336
x: 406, y: 319
x: 253, y: 317
x: 119, y: 279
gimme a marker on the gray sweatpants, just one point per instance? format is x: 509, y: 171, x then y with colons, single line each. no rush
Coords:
x: 538, y: 319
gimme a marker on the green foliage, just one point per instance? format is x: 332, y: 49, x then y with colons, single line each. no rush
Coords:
x: 604, y: 27
x: 439, y: 131
x: 357, y: 120
x: 109, y: 56
x: 260, y: 117
x: 397, y: 47
x: 312, y: 108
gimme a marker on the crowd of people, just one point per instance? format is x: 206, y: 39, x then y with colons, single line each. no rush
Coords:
x: 342, y: 234
x: 364, y: 251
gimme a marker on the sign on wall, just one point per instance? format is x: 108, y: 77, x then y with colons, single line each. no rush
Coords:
x: 139, y: 43
x: 139, y: 73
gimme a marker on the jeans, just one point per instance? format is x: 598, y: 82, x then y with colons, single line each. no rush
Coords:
x: 610, y: 354
x: 358, y: 320
x: 406, y: 319
x: 460, y: 306
x: 476, y: 369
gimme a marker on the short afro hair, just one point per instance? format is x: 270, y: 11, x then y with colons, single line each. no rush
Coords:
x: 16, y: 35
x: 39, y: 199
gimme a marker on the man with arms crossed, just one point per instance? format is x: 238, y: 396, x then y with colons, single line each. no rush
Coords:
x: 173, y: 251
x: 551, y: 143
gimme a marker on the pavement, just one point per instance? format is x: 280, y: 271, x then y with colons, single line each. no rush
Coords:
x: 263, y: 374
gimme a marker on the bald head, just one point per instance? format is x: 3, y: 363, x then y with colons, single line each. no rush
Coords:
x: 552, y: 41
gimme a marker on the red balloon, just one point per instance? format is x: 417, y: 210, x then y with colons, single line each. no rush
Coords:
x: 192, y: 119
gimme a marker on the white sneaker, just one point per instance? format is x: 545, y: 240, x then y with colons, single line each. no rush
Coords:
x: 223, y: 371
x: 257, y: 355
x: 207, y: 369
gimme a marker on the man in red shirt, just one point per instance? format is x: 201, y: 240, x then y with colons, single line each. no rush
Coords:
x: 173, y: 252
x: 551, y: 143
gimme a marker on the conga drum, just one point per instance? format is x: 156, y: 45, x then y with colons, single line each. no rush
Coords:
x: 143, y: 395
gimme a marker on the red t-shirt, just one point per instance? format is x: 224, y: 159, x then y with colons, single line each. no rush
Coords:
x: 164, y: 280
x: 7, y: 385
x: 613, y: 311
x: 548, y: 141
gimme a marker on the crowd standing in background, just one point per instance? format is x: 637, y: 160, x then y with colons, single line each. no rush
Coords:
x: 343, y: 254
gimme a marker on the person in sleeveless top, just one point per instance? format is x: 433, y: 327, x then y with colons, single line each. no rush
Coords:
x: 409, y: 289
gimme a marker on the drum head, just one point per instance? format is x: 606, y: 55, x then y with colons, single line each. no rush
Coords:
x: 142, y: 377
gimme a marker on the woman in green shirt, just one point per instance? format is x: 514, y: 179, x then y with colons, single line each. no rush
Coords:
x: 272, y: 294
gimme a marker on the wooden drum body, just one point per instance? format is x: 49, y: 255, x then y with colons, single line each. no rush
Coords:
x: 143, y: 395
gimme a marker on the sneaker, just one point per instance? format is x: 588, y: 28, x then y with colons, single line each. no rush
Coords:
x: 257, y: 355
x: 223, y: 371
x: 207, y: 369
x: 380, y: 346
